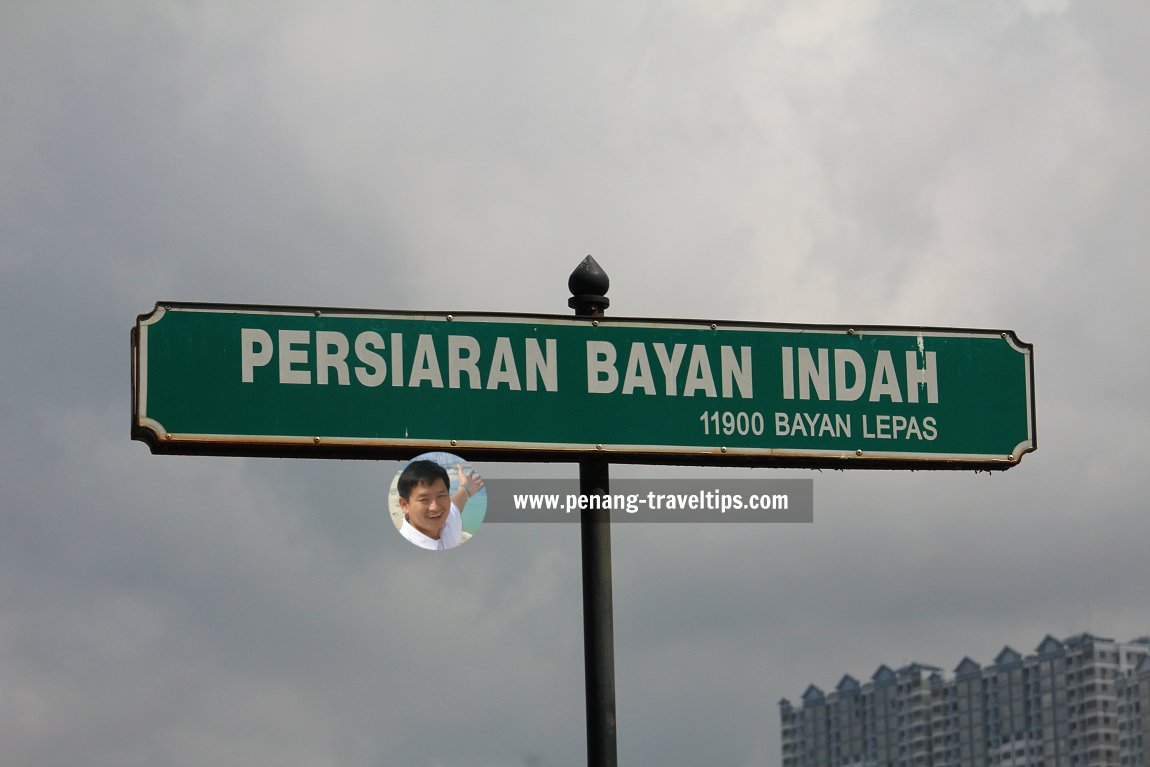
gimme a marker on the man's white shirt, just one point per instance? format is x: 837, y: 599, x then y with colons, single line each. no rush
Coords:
x: 449, y: 537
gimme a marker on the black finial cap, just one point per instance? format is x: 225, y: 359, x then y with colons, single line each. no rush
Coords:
x: 588, y: 285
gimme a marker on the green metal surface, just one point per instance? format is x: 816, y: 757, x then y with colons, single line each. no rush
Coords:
x: 752, y: 390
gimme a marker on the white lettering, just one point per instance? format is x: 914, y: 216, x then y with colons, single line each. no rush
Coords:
x: 926, y: 376
x: 885, y: 381
x: 699, y: 373
x: 365, y: 343
x: 397, y: 359
x: 426, y: 364
x: 670, y: 366
x: 503, y: 370
x: 602, y: 377
x: 459, y: 362
x: 788, y: 373
x: 331, y: 352
x: 812, y: 373
x: 844, y: 357
x: 736, y: 371
x: 638, y: 371
x: 250, y: 357
x: 290, y: 356
x: 541, y: 367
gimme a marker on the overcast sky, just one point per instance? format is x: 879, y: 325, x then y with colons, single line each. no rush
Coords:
x: 971, y: 164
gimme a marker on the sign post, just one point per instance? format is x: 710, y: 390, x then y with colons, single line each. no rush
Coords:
x: 343, y: 383
x: 588, y: 285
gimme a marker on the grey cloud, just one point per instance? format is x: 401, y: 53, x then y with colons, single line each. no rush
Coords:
x: 804, y: 162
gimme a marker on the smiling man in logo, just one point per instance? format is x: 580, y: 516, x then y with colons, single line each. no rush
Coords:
x: 431, y: 515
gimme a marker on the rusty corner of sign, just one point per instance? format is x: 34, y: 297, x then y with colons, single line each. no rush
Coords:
x: 1021, y: 449
x: 1016, y: 343
x: 143, y: 423
x: 151, y: 432
x: 154, y: 316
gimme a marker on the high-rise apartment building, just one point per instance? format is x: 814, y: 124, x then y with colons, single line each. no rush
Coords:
x: 1079, y: 702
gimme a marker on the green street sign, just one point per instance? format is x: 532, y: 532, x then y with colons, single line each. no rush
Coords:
x: 242, y: 380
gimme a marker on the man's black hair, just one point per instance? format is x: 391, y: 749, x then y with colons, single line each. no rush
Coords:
x: 421, y: 473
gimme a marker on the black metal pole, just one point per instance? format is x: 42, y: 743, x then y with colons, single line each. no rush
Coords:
x: 588, y: 285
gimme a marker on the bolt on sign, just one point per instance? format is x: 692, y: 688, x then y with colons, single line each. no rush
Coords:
x: 247, y: 380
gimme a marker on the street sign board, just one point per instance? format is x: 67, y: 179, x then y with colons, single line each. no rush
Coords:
x: 245, y: 380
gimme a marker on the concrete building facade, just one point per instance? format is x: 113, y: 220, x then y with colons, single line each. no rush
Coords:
x: 1079, y: 702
